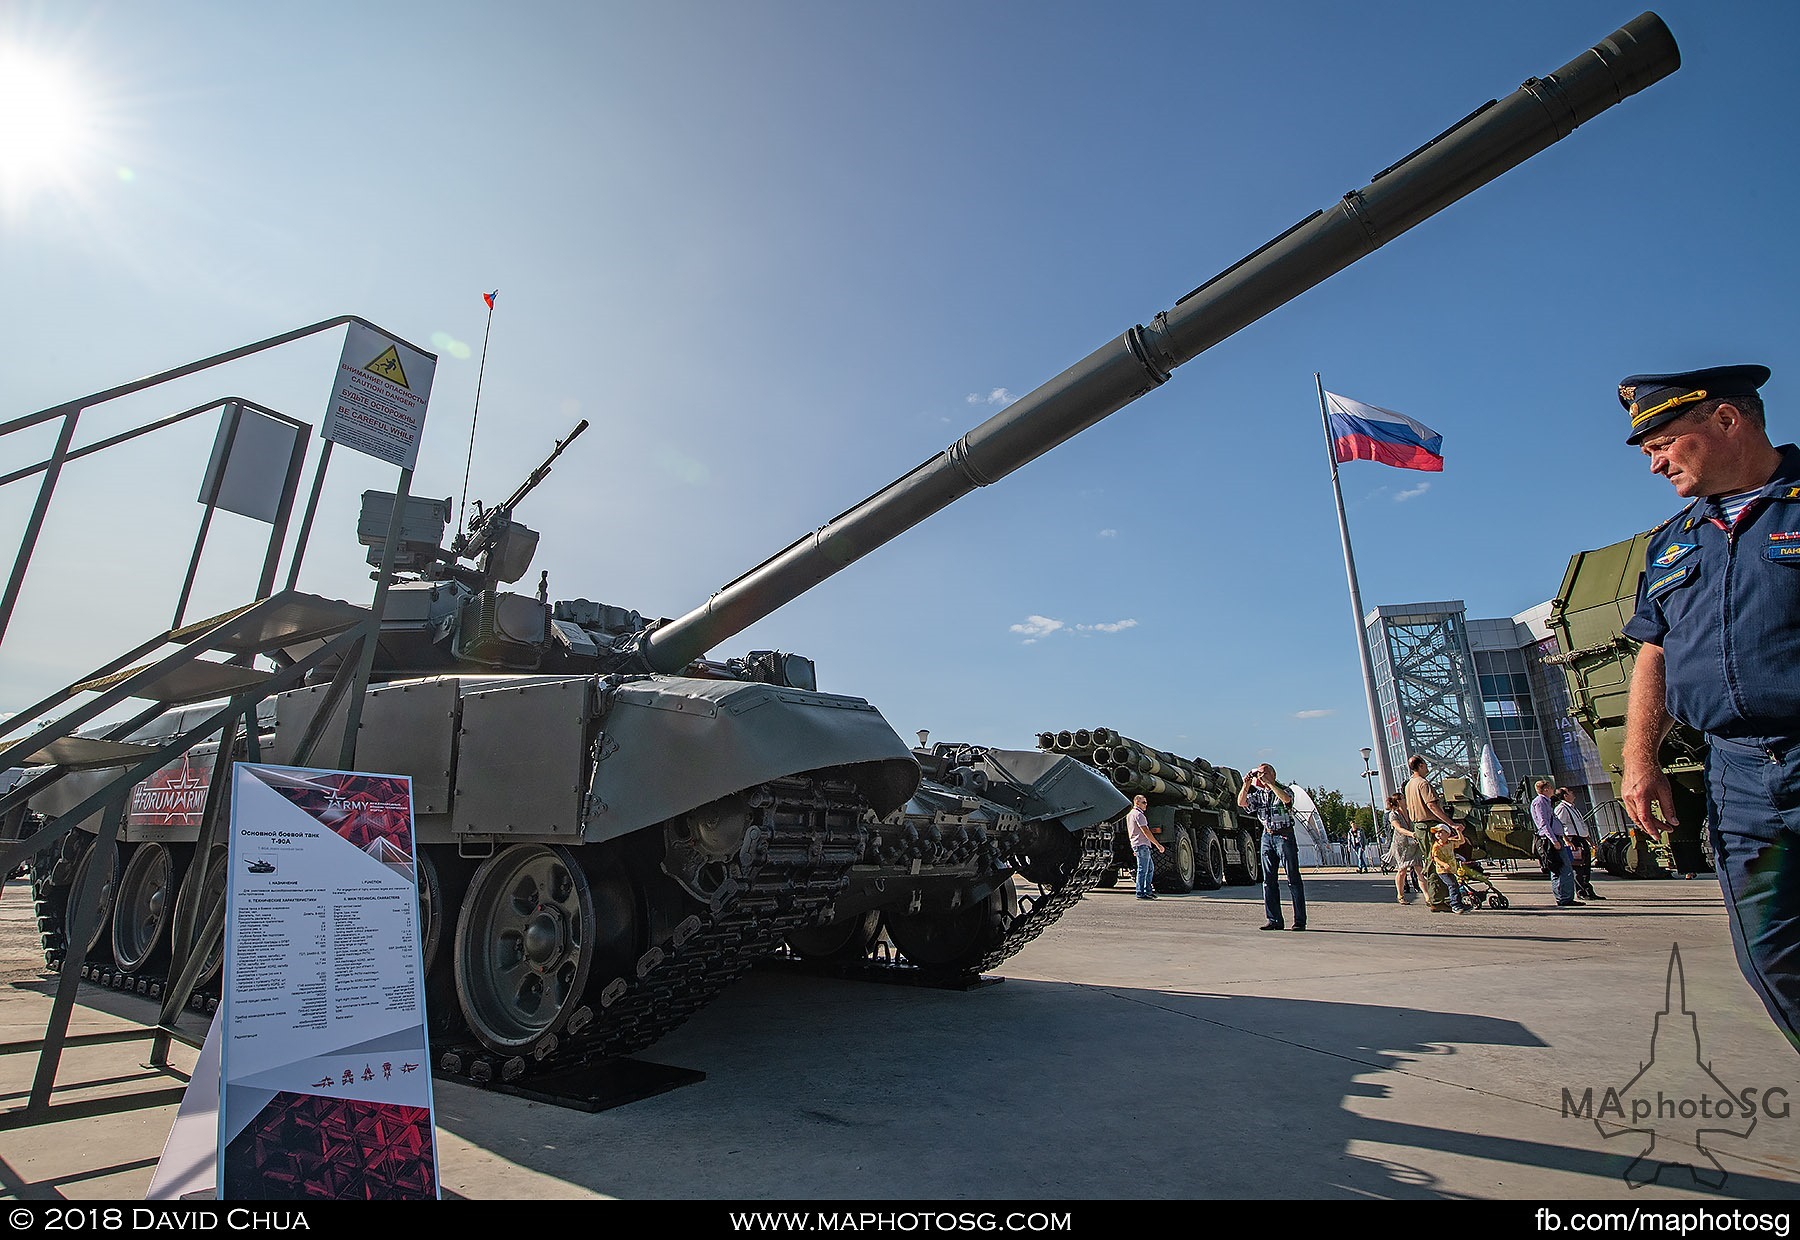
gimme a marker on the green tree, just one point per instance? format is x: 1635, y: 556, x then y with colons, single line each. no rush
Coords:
x: 1336, y: 811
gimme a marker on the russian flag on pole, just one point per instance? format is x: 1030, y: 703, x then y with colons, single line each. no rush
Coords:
x: 489, y: 298
x: 1362, y: 432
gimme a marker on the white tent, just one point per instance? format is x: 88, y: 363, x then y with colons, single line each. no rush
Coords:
x: 1309, y: 835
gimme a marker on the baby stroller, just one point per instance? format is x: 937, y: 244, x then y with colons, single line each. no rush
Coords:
x: 1477, y: 885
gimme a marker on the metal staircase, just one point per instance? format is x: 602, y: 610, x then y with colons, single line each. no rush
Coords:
x: 92, y: 773
x: 80, y: 769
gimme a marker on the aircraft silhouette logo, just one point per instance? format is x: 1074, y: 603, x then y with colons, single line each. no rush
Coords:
x: 1675, y: 1094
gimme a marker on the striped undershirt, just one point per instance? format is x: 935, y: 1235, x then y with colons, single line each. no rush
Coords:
x: 1731, y: 505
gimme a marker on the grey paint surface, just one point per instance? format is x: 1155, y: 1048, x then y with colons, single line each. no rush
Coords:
x: 678, y: 743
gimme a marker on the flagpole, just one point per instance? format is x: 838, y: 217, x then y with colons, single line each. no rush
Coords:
x: 490, y: 298
x: 1356, y: 607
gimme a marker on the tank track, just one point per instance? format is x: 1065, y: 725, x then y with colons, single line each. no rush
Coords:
x: 1037, y: 913
x: 795, y: 864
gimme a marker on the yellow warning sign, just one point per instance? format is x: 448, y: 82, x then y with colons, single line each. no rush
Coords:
x: 378, y: 406
x: 388, y: 367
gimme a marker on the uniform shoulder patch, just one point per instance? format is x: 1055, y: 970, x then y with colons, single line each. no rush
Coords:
x: 1671, y: 521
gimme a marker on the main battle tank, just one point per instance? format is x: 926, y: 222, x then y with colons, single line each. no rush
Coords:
x: 612, y: 826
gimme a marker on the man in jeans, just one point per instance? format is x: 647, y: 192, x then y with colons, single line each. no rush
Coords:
x: 1553, y: 850
x: 1137, y: 827
x: 1272, y: 804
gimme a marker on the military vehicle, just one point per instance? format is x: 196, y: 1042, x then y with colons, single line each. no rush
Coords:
x: 1495, y: 828
x: 1588, y: 615
x: 1013, y: 815
x: 1193, y: 811
x: 612, y: 827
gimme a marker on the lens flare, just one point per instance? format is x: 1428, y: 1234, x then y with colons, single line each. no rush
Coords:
x: 46, y: 126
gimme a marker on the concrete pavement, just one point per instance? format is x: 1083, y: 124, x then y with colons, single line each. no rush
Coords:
x: 1136, y: 1050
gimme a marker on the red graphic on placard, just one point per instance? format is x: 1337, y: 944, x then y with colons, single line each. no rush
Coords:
x: 372, y: 812
x: 307, y: 1147
x: 174, y: 795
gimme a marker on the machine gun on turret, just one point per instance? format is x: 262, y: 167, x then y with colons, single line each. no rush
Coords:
x: 452, y: 611
x: 503, y: 545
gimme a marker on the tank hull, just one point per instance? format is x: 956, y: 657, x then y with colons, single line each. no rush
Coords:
x: 797, y: 814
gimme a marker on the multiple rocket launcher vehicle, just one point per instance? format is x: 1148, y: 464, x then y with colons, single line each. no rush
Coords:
x: 1206, y: 842
x: 611, y: 827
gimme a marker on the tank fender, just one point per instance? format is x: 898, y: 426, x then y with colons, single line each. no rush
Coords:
x: 1051, y: 787
x: 669, y: 744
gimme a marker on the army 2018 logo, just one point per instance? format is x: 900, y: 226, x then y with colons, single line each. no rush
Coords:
x: 1676, y: 1111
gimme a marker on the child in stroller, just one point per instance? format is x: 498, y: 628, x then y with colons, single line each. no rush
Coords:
x: 1468, y: 885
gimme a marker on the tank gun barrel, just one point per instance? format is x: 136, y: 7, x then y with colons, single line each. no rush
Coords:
x: 1465, y: 157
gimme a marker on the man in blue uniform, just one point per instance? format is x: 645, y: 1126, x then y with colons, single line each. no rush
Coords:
x: 1718, y: 613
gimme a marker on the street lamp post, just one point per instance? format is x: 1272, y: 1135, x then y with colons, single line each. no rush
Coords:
x: 1374, y: 821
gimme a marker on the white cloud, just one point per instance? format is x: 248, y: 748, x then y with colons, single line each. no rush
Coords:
x: 1114, y: 627
x: 1036, y: 627
x: 998, y: 396
x: 1400, y: 497
x: 1312, y: 714
x: 1109, y: 533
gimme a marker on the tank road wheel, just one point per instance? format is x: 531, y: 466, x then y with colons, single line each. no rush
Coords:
x: 433, y: 904
x: 442, y: 877
x: 954, y: 939
x: 841, y: 942
x: 1210, y: 874
x: 1176, y: 864
x: 522, y: 945
x: 145, y: 904
x: 99, y: 868
x: 1253, y: 862
x: 203, y: 887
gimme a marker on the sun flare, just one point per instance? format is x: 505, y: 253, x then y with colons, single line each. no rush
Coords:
x: 46, y: 125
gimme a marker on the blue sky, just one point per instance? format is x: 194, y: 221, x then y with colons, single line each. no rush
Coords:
x: 780, y: 253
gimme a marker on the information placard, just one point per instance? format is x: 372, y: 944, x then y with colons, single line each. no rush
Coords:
x: 378, y: 402
x: 325, y: 1085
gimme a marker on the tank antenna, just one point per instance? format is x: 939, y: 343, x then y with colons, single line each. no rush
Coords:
x: 476, y: 413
